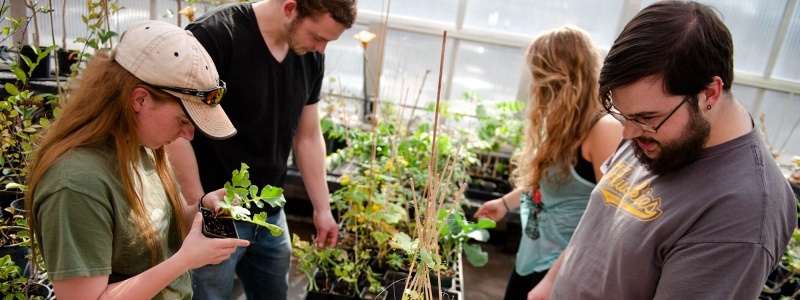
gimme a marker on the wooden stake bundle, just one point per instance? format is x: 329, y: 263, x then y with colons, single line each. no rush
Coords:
x: 428, y: 229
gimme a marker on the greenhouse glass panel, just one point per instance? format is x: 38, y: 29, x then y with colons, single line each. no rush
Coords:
x: 530, y: 18
x: 408, y: 57
x: 781, y: 121
x: 344, y: 61
x: 746, y: 95
x: 491, y: 71
x: 440, y: 11
x: 788, y: 64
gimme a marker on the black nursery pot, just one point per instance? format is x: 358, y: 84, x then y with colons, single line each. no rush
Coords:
x: 66, y: 58
x: 219, y: 228
x: 38, y: 289
x: 42, y: 70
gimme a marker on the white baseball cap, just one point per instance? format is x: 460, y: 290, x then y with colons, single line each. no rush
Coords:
x: 171, y: 59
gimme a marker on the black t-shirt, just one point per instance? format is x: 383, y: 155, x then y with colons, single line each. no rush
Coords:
x: 264, y: 100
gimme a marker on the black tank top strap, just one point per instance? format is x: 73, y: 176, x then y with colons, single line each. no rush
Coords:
x: 584, y: 168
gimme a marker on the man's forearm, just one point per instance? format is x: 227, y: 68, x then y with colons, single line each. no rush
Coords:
x: 184, y: 164
x: 310, y: 156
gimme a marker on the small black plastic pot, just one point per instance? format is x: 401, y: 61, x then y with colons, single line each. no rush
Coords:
x: 33, y: 289
x: 447, y: 281
x: 315, y: 295
x: 367, y: 295
x: 219, y: 228
x: 343, y: 291
x: 11, y: 246
x: 19, y: 207
x: 6, y: 197
x: 66, y: 58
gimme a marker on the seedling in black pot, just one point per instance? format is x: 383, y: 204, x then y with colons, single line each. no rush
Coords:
x: 239, y: 197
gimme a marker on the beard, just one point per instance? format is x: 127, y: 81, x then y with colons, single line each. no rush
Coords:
x: 291, y: 30
x: 677, y: 154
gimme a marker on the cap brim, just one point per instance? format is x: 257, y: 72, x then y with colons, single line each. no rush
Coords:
x: 210, y: 120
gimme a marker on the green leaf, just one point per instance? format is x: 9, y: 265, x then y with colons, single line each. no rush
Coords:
x: 402, y: 241
x: 486, y: 223
x: 20, y: 74
x: 12, y: 89
x: 475, y: 255
x: 426, y: 258
x: 481, y: 235
x: 261, y: 219
x: 380, y: 237
x: 16, y: 186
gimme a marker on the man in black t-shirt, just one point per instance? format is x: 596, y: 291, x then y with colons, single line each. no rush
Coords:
x: 269, y: 54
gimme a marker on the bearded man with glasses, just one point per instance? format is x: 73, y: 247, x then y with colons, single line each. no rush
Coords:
x: 691, y: 205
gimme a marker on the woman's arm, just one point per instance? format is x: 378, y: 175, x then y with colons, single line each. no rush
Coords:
x: 496, y: 209
x: 197, y: 251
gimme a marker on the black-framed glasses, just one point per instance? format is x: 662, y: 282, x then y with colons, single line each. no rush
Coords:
x: 210, y: 96
x: 646, y: 127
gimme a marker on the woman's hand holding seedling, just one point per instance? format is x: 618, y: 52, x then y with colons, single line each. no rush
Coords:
x: 198, y: 250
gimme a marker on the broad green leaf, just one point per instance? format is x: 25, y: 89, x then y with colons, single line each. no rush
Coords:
x: 475, y: 255
x: 261, y: 219
x: 486, y: 223
x: 481, y: 235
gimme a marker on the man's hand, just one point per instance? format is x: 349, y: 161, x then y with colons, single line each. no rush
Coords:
x: 327, y: 229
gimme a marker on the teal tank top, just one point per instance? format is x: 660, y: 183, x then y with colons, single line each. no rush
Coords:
x: 545, y: 234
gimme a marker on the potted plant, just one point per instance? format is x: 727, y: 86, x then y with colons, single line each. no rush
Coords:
x: 36, y: 58
x: 15, y: 239
x: 24, y: 115
x: 14, y: 285
x: 317, y: 264
x: 784, y: 282
x: 348, y: 272
x: 239, y: 197
x: 499, y: 132
x: 99, y: 34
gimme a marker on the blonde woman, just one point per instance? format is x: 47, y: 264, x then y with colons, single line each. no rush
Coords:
x: 105, y: 210
x: 567, y: 140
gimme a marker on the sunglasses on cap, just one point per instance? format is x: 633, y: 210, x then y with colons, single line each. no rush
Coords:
x: 210, y: 96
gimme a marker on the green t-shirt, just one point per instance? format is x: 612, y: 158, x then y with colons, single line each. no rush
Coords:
x: 85, y: 224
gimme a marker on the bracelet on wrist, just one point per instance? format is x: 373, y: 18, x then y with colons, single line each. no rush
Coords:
x: 201, y: 200
x: 503, y: 198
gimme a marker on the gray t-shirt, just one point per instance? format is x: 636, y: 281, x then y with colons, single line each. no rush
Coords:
x: 712, y: 230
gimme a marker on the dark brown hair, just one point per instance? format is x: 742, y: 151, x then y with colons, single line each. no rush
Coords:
x: 342, y: 11
x: 685, y: 44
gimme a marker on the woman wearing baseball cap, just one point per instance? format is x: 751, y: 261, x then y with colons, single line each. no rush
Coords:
x: 104, y: 208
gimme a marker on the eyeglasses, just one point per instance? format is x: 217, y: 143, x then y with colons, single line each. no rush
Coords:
x: 649, y: 128
x: 210, y: 96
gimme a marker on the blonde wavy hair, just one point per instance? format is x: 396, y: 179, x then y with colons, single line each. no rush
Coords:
x: 562, y: 107
x: 97, y: 111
